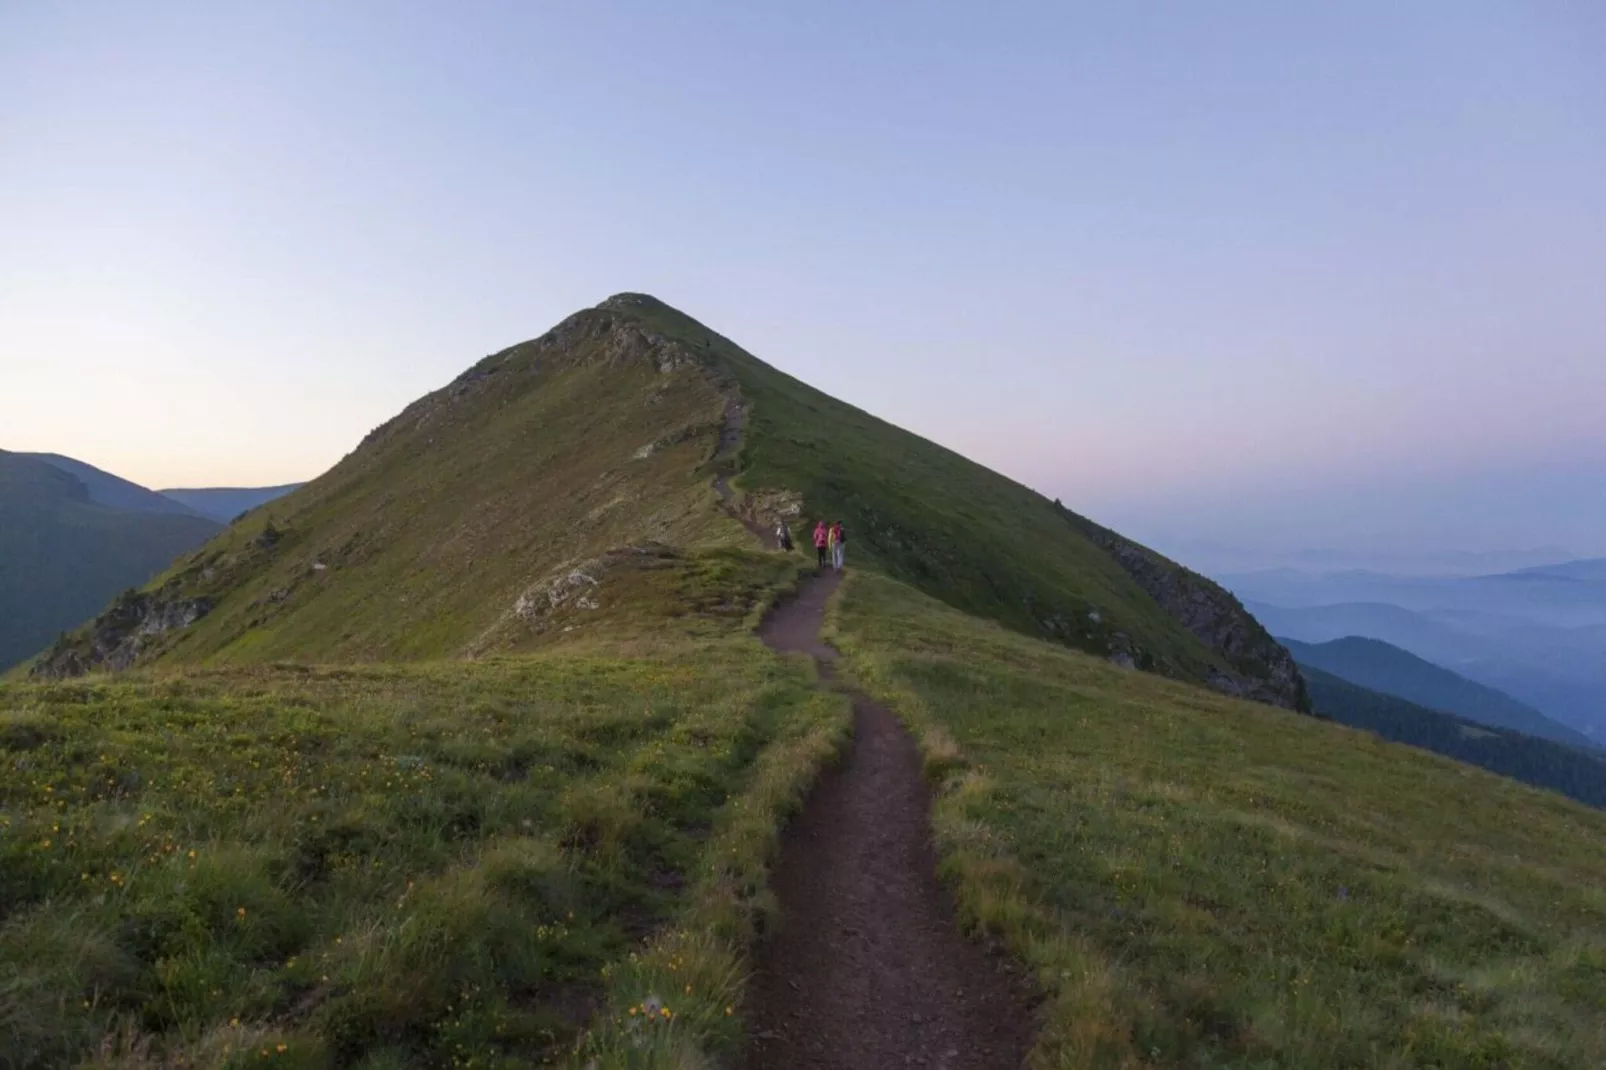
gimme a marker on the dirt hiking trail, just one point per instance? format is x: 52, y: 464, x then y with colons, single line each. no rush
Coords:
x: 868, y: 968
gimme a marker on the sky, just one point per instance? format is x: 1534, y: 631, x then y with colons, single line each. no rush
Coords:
x: 1253, y: 273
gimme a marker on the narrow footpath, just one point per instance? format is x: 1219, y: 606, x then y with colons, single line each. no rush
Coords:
x: 868, y: 969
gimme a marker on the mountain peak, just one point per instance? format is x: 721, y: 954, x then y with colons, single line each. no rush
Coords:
x: 627, y: 300
x: 515, y: 506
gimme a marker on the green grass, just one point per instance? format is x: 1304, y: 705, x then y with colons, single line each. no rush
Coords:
x: 1199, y: 882
x: 437, y: 864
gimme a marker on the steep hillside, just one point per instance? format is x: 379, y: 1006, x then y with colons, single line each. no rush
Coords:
x: 1374, y: 664
x: 975, y: 539
x: 63, y: 555
x: 512, y: 504
x: 223, y: 504
x: 531, y: 495
x: 114, y: 491
x: 1572, y: 771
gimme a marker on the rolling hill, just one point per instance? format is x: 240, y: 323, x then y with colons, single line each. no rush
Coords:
x: 64, y: 554
x: 465, y: 753
x: 1374, y: 664
x: 112, y: 491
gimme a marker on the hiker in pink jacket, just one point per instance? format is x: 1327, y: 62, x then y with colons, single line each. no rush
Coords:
x: 822, y: 542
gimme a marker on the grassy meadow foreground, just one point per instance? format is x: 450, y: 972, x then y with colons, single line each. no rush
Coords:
x: 1200, y: 882
x: 463, y: 755
x: 431, y: 865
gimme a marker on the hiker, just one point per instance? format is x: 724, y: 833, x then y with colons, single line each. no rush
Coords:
x: 821, y: 543
x: 839, y: 539
x: 783, y: 537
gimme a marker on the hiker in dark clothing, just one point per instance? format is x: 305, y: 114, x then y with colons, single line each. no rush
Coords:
x: 783, y: 537
x: 839, y: 538
x: 822, y: 542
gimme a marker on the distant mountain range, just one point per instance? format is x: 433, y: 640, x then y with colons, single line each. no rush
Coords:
x: 1538, y: 634
x: 224, y: 504
x: 1380, y: 666
x: 72, y: 537
x: 1218, y: 559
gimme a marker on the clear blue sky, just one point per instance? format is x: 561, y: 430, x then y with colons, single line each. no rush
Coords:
x: 1269, y: 273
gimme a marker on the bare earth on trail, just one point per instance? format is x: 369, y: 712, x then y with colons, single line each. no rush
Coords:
x: 868, y: 968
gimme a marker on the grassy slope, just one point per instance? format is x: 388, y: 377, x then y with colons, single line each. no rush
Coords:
x: 62, y: 557
x: 926, y: 515
x: 1203, y: 882
x: 631, y: 765
x: 385, y: 866
x: 431, y: 531
x: 1374, y: 664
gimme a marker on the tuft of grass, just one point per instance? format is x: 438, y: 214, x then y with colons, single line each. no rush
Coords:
x: 1197, y: 881
x: 677, y: 1004
x: 432, y: 864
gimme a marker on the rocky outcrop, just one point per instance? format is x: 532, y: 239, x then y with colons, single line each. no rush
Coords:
x: 115, y: 638
x: 1262, y: 670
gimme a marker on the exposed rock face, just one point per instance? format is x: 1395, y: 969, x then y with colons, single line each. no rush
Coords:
x: 1265, y: 672
x: 118, y: 635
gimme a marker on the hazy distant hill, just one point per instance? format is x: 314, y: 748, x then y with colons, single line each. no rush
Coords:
x: 223, y: 504
x: 1374, y: 664
x: 114, y: 491
x: 1421, y: 635
x: 1561, y: 671
x: 1543, y: 763
x: 63, y: 554
x: 1568, y: 595
x: 1590, y: 570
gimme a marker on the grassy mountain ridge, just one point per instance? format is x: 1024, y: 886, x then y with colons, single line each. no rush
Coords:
x: 63, y: 555
x: 1380, y: 666
x: 962, y: 533
x: 483, y: 512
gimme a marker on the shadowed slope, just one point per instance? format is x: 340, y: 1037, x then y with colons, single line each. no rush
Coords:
x: 62, y: 555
